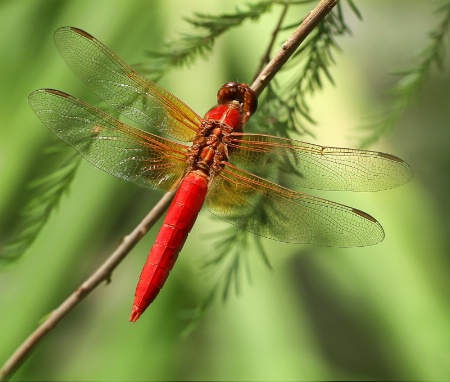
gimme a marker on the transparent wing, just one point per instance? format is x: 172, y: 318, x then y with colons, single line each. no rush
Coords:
x: 275, y: 212
x: 110, y: 145
x: 125, y: 90
x: 312, y: 166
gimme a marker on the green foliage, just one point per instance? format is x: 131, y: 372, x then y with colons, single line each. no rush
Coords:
x: 283, y: 111
x: 279, y: 112
x: 189, y: 47
x: 376, y: 313
x: 45, y: 195
x: 411, y: 80
x: 228, y: 265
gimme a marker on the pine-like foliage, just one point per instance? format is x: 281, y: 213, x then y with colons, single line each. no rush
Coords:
x: 44, y: 196
x: 190, y: 47
x: 283, y: 111
x: 411, y: 79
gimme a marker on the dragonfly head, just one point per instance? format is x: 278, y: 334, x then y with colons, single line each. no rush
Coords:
x: 242, y: 93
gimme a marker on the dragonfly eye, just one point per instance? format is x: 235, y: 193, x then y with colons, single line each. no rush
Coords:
x: 242, y: 93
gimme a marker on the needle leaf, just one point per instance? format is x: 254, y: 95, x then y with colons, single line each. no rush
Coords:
x: 44, y: 196
x: 185, y: 50
x: 411, y: 80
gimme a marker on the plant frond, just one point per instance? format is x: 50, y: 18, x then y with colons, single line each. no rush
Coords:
x: 228, y: 260
x: 354, y: 9
x: 284, y: 109
x: 411, y: 79
x: 44, y: 196
x: 229, y: 266
x: 189, y: 47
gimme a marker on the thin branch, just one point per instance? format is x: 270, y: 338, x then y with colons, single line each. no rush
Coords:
x: 266, y: 57
x: 292, y: 43
x: 103, y: 273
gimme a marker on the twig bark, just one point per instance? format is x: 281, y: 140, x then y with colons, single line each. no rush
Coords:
x: 292, y: 43
x: 265, y: 59
x: 103, y: 273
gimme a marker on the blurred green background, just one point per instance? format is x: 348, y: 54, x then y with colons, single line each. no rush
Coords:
x: 379, y: 313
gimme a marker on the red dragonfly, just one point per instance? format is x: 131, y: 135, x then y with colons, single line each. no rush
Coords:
x: 213, y: 169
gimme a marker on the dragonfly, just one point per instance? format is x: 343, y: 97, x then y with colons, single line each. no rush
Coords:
x: 237, y: 175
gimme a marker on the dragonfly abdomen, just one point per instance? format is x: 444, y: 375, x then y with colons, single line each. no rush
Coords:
x: 177, y: 224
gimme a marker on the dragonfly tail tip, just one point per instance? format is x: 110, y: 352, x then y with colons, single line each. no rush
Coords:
x: 135, y: 314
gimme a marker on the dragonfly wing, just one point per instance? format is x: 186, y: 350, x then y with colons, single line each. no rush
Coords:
x: 312, y: 166
x: 124, y: 89
x: 110, y: 145
x: 278, y: 213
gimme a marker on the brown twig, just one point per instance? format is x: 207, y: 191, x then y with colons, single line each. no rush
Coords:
x: 103, y: 273
x: 266, y: 56
x: 292, y: 43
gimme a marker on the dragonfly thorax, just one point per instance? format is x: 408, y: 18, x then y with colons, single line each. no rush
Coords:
x: 208, y: 151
